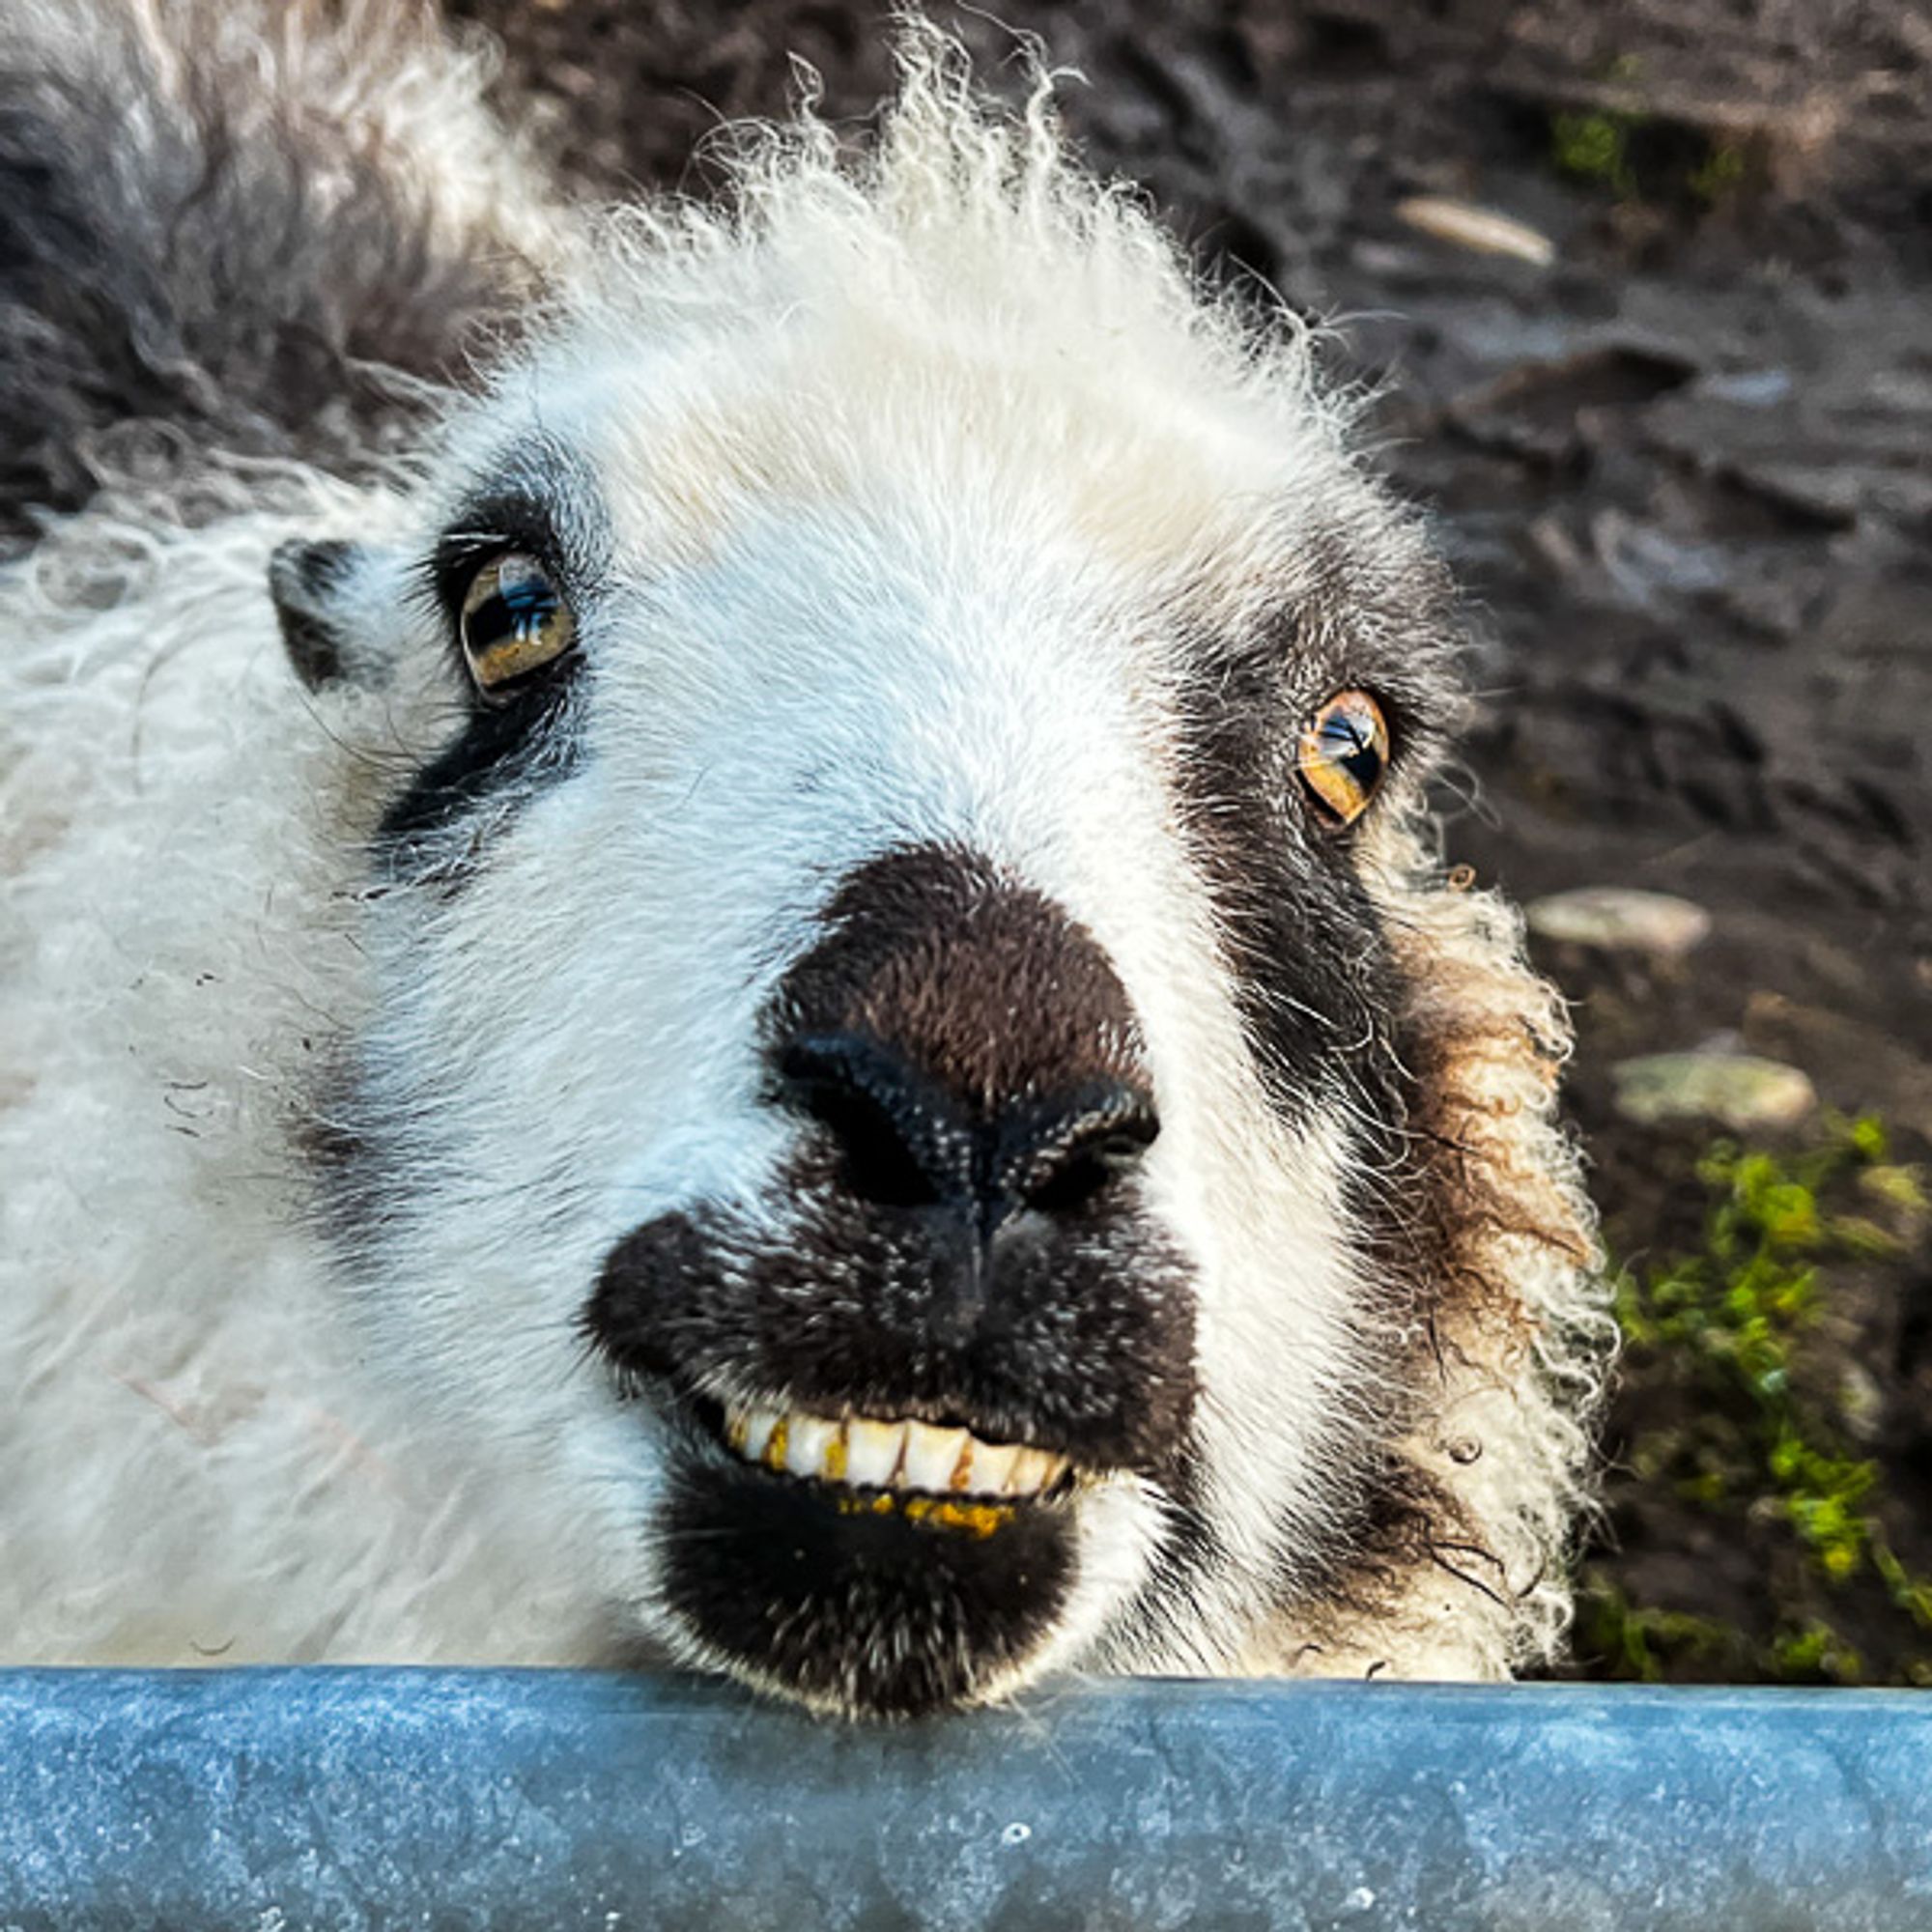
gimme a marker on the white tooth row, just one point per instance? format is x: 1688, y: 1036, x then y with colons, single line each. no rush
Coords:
x: 863, y: 1454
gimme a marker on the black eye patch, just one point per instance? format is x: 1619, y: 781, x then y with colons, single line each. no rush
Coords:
x: 507, y: 578
x: 505, y: 751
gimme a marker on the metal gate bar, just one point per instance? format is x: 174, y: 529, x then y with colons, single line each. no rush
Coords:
x: 304, y: 1801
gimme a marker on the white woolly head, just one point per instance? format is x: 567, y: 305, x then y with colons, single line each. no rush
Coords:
x: 888, y: 1083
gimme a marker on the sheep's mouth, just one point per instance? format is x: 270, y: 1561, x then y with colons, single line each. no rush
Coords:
x: 946, y: 1477
x: 863, y: 1501
x: 860, y: 1563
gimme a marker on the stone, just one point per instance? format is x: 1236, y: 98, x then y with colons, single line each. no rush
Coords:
x: 1620, y: 919
x: 1737, y: 1090
x: 1466, y: 224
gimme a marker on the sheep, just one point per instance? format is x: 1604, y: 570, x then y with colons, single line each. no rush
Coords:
x: 723, y: 941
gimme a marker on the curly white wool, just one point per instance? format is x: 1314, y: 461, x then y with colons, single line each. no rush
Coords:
x: 202, y: 1457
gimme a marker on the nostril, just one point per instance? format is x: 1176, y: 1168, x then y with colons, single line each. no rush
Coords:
x: 903, y: 1143
x: 1063, y: 1157
x: 896, y: 1152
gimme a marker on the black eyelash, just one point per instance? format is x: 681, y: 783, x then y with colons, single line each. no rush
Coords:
x: 485, y: 526
x: 461, y: 554
x: 488, y: 526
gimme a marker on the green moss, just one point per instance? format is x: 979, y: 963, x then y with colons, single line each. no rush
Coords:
x: 1637, y: 1642
x: 1720, y: 175
x: 1732, y: 1331
x: 1595, y: 147
x: 1815, y: 1654
x: 1643, y: 156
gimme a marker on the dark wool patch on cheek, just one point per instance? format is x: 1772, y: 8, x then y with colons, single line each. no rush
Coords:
x: 1416, y: 1196
x: 366, y: 1173
x: 1320, y: 993
x: 1311, y: 967
x: 498, y: 749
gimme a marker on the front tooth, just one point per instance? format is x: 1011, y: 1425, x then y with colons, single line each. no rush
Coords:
x: 751, y: 1431
x: 808, y: 1438
x: 872, y: 1450
x: 992, y: 1468
x: 931, y: 1455
x: 1032, y: 1470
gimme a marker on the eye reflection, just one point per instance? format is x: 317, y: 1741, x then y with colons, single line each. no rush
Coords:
x: 514, y: 621
x: 1342, y: 753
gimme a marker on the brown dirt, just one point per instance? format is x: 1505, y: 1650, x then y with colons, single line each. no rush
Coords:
x: 1685, y: 471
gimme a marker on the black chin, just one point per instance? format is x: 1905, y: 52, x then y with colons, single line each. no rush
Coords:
x: 874, y: 1614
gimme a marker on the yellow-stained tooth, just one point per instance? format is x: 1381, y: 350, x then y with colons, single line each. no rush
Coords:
x: 992, y: 1466
x: 808, y: 1439
x: 872, y: 1450
x: 924, y: 1465
x: 932, y: 1457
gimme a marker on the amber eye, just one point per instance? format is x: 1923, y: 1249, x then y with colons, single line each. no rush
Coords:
x: 1342, y: 753
x: 514, y: 623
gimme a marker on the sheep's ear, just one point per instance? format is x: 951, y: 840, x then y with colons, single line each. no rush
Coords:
x: 314, y: 587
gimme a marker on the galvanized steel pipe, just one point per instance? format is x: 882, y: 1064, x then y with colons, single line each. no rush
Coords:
x: 304, y: 1800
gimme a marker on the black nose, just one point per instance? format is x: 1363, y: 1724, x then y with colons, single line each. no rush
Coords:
x: 907, y: 1141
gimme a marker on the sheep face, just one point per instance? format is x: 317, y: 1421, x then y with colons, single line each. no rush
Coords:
x: 884, y: 1072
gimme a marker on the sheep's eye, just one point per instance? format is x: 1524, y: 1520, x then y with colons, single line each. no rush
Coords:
x: 1343, y: 754
x: 514, y: 623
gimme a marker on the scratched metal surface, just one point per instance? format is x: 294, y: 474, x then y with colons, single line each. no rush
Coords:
x: 280, y: 1800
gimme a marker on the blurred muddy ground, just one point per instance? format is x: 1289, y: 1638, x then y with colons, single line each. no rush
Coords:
x: 1685, y: 468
